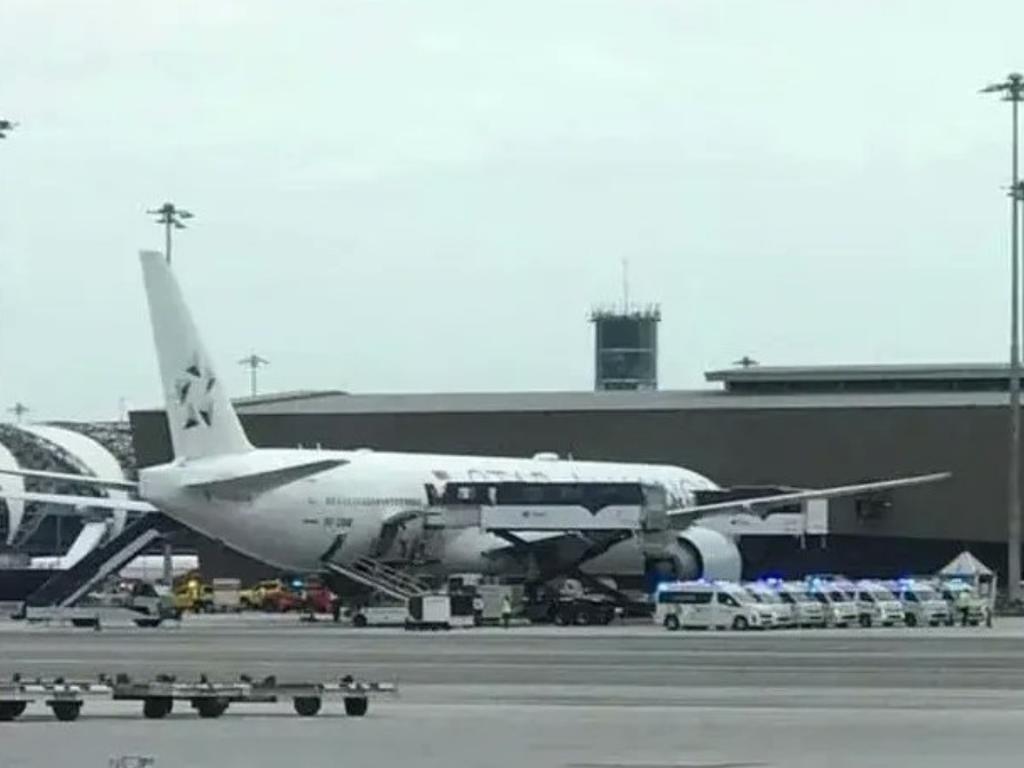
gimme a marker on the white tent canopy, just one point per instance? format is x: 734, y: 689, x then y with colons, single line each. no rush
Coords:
x: 966, y: 565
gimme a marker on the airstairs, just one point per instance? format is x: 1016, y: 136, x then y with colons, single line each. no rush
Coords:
x: 67, y: 587
x: 383, y: 578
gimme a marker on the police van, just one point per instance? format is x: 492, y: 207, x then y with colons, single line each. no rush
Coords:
x: 709, y: 605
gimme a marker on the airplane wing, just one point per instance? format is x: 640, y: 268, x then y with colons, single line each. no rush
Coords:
x: 258, y: 482
x: 121, y: 483
x: 764, y: 504
x: 81, y: 502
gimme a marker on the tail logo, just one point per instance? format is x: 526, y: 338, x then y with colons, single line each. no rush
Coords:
x: 194, y: 389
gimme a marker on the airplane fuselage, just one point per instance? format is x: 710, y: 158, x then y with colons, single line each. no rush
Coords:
x: 294, y: 526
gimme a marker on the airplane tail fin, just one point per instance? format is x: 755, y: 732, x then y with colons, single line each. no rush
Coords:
x: 200, y: 415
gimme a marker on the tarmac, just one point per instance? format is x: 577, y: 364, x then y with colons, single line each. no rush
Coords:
x: 604, y: 697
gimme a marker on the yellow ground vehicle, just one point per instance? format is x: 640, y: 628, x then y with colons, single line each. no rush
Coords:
x: 193, y: 595
x: 261, y: 594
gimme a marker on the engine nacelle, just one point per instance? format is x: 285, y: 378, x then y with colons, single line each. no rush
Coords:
x: 698, y: 553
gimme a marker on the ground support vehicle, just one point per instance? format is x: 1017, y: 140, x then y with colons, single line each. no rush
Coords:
x: 144, y: 604
x: 386, y: 615
x: 568, y: 602
x: 564, y: 610
x: 428, y: 611
x: 226, y: 595
x: 261, y: 595
x: 210, y: 699
x: 193, y: 595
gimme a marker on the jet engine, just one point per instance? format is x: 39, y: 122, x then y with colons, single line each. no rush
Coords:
x: 696, y: 553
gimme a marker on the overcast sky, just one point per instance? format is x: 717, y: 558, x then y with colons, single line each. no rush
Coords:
x: 432, y: 194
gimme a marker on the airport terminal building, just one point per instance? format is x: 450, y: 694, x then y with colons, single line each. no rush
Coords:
x: 762, y: 426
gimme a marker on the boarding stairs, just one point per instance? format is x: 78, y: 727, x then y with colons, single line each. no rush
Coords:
x: 380, y: 577
x: 67, y: 587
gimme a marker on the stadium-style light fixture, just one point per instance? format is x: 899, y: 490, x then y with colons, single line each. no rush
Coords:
x: 253, y: 362
x: 170, y: 217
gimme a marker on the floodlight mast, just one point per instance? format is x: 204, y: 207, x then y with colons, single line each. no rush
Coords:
x: 1012, y: 90
x: 170, y: 217
x: 253, y: 362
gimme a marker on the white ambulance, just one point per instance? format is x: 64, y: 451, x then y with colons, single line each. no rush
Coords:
x: 709, y: 605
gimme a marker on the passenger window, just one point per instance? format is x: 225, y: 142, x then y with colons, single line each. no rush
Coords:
x: 725, y: 599
x: 866, y: 597
x: 911, y: 597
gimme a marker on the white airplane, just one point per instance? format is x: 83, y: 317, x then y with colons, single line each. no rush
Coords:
x: 297, y: 509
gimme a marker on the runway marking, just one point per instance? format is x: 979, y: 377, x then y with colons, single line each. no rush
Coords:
x: 664, y: 765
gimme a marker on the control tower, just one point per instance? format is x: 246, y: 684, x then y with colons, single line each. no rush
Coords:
x: 626, y: 347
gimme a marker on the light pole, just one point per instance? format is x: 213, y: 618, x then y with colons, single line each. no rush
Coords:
x: 170, y: 217
x: 253, y: 363
x: 1012, y: 90
x: 19, y: 410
